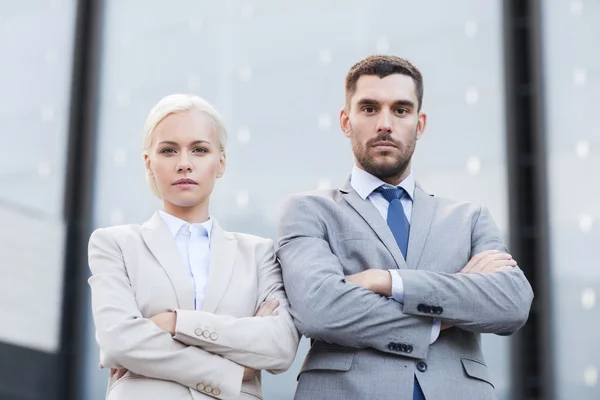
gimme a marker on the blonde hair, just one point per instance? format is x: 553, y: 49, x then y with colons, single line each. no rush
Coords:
x: 176, y: 103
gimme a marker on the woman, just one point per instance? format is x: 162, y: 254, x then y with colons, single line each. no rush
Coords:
x: 182, y: 308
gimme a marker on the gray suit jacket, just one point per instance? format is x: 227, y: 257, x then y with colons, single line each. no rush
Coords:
x: 366, y: 346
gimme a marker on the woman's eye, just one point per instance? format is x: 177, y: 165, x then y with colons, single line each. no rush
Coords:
x: 200, y: 150
x: 167, y: 150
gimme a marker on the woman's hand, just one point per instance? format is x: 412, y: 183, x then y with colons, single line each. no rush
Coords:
x: 166, y: 321
x: 268, y: 308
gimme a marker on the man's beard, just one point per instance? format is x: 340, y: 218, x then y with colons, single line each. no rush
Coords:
x: 384, y: 170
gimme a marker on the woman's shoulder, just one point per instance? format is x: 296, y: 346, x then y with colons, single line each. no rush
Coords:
x: 116, y: 231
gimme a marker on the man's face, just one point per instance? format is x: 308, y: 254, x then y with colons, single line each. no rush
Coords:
x: 383, y: 124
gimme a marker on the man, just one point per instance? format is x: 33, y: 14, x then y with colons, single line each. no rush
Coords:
x: 394, y: 286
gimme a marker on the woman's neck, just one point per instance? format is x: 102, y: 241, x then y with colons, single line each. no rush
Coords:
x: 192, y: 215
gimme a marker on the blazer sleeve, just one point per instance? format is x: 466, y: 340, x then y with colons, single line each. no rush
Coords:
x: 136, y: 343
x: 327, y: 307
x: 257, y: 342
x: 497, y: 302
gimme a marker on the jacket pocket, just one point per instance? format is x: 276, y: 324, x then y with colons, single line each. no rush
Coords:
x: 477, y: 370
x: 327, y: 361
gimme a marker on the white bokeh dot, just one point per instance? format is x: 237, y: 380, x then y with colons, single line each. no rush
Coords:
x: 590, y: 376
x: 245, y: 73
x: 472, y: 96
x: 325, y: 56
x: 242, y: 198
x: 579, y: 77
x: 243, y: 135
x: 116, y: 217
x: 588, y: 298
x: 193, y: 83
x: 473, y: 165
x: 48, y: 113
x: 195, y: 24
x: 323, y: 184
x: 325, y: 122
x: 120, y: 157
x: 585, y: 222
x: 123, y: 99
x: 383, y: 45
x: 576, y: 7
x: 50, y: 57
x: 125, y: 41
x: 471, y: 29
x: 44, y: 170
x: 582, y: 149
x: 247, y: 12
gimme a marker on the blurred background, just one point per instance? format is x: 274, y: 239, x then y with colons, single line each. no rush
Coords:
x: 511, y: 90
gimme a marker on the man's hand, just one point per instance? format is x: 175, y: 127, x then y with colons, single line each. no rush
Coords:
x: 117, y: 373
x: 489, y: 261
x: 249, y: 373
x: 445, y: 326
x: 376, y: 280
x: 268, y: 308
x: 166, y: 321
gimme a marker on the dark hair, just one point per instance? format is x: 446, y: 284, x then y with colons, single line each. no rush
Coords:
x: 382, y: 66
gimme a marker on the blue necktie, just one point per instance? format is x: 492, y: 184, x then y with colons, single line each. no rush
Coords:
x: 396, y: 219
x: 400, y: 227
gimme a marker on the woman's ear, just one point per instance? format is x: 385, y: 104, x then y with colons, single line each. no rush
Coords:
x: 222, y: 165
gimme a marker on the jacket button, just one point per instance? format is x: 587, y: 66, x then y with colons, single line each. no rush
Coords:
x: 409, y: 348
x: 214, y: 336
x: 421, y: 366
x: 426, y: 309
x: 206, y: 334
x: 421, y: 307
x: 198, y: 332
x: 200, y: 387
x: 440, y: 310
x: 392, y: 346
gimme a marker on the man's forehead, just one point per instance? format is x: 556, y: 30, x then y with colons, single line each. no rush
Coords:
x: 390, y: 88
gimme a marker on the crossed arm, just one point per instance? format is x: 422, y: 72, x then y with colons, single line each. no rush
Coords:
x: 331, y: 307
x: 130, y: 341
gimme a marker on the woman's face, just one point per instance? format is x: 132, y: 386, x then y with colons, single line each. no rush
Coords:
x: 185, y: 159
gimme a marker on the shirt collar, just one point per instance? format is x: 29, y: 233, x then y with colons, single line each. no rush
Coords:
x: 175, y: 224
x: 364, y: 183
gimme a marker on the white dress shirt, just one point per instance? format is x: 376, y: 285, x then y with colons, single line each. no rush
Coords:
x: 193, y: 242
x: 364, y: 184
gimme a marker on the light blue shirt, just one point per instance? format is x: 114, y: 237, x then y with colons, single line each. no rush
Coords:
x: 193, y: 243
x: 364, y: 184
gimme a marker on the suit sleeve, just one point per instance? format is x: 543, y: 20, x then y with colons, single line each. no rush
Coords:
x: 497, y: 302
x: 327, y: 307
x: 137, y: 343
x: 257, y: 342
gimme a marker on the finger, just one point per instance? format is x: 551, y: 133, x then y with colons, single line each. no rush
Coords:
x: 111, y: 372
x: 121, y: 372
x: 503, y: 265
x: 274, y: 313
x: 475, y: 259
x: 266, y: 308
x: 270, y: 306
x: 494, y: 265
x: 480, y: 266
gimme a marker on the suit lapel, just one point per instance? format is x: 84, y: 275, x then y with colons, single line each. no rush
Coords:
x: 372, y: 217
x: 420, y: 223
x: 223, y: 246
x: 160, y: 241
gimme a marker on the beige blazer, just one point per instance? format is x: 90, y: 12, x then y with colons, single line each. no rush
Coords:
x: 137, y: 272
